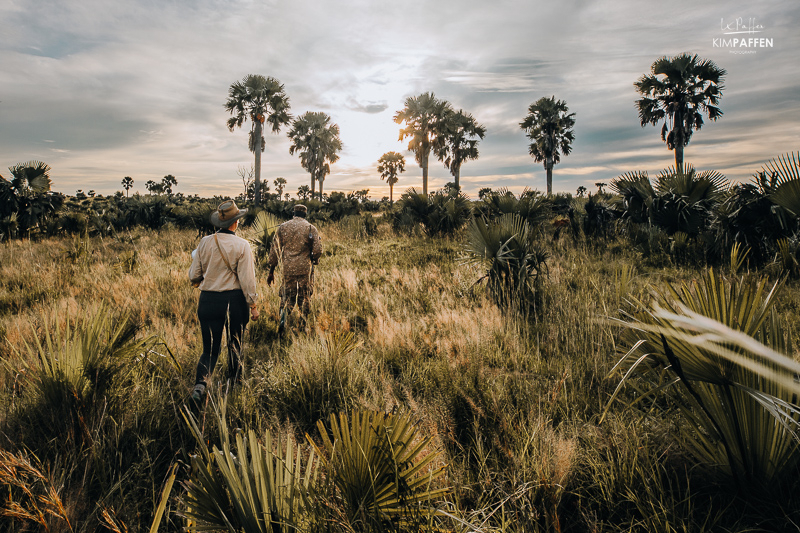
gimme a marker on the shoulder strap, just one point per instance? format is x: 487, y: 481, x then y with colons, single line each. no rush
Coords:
x: 227, y: 264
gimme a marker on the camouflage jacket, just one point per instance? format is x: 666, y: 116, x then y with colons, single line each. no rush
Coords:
x: 297, y: 244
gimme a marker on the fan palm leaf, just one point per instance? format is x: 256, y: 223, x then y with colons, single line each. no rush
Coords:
x: 263, y: 230
x: 740, y: 406
x: 258, y: 487
x: 636, y: 195
x: 786, y: 170
x: 380, y: 464
x: 506, y: 249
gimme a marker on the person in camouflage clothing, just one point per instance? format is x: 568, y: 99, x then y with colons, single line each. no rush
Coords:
x: 297, y: 246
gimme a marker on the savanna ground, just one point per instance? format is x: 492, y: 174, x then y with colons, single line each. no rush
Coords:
x: 513, y: 402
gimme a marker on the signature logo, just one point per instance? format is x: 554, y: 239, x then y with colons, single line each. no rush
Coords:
x: 748, y: 42
x: 740, y: 25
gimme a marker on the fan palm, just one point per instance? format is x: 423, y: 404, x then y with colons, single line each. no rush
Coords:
x: 32, y: 176
x: 786, y: 189
x: 515, y: 266
x: 264, y: 227
x: 713, y: 348
x: 391, y: 165
x: 318, y: 142
x: 684, y: 199
x: 258, y: 487
x: 438, y: 213
x: 460, y: 143
x: 74, y: 367
x: 259, y: 99
x: 27, y: 196
x: 748, y: 216
x: 679, y: 90
x: 531, y: 205
x: 382, y: 466
x: 636, y: 195
x: 549, y: 127
x: 426, y: 124
x: 127, y: 184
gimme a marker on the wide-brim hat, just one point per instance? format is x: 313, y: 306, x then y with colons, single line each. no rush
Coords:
x: 300, y: 208
x: 226, y: 214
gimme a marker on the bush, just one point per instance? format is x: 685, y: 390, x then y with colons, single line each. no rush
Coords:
x: 438, y: 214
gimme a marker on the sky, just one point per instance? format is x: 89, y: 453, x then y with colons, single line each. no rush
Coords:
x: 103, y: 89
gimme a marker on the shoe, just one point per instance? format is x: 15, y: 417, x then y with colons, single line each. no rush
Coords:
x: 199, y: 393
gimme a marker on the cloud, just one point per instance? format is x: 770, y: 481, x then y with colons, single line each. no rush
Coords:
x: 370, y: 108
x: 101, y: 90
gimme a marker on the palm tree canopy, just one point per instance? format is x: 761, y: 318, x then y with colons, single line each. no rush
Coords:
x: 425, y: 118
x: 460, y: 140
x: 258, y: 98
x: 317, y: 141
x: 678, y: 91
x: 391, y: 165
x: 549, y: 127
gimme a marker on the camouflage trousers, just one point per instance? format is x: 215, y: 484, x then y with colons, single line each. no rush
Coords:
x: 296, y: 293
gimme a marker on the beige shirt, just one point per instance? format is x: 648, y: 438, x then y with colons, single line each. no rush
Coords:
x: 209, y: 266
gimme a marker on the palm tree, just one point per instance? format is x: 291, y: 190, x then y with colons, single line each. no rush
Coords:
x: 127, y: 184
x: 260, y: 99
x: 460, y: 142
x: 391, y: 165
x: 168, y: 182
x: 549, y: 128
x: 280, y: 184
x: 318, y: 142
x: 678, y: 91
x: 425, y: 118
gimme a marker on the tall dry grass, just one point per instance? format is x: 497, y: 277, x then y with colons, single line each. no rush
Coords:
x: 513, y: 402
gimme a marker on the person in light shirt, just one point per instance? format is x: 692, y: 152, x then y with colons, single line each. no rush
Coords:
x: 224, y: 270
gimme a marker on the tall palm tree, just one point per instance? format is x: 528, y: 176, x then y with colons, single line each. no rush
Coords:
x: 260, y: 99
x: 318, y: 142
x: 127, y: 184
x: 460, y: 142
x: 391, y: 165
x: 549, y: 127
x: 425, y: 118
x: 678, y: 91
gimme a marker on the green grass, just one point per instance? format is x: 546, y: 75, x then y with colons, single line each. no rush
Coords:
x: 513, y: 403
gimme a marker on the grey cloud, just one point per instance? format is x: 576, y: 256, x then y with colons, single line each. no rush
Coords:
x: 367, y: 107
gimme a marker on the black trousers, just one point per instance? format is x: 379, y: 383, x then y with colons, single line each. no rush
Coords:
x: 218, y: 311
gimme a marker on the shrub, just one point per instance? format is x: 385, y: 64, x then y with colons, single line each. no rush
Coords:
x: 515, y: 264
x: 438, y: 214
x: 737, y: 396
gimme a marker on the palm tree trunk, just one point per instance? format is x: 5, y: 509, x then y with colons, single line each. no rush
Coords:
x: 457, y: 176
x: 257, y: 166
x: 424, y: 165
x: 313, y: 184
x: 679, y: 157
x: 549, y: 168
x: 321, y: 179
x: 391, y: 187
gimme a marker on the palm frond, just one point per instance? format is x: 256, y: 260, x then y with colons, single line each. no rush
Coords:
x: 381, y: 465
x: 785, y: 170
x: 714, y: 348
x: 247, y: 485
